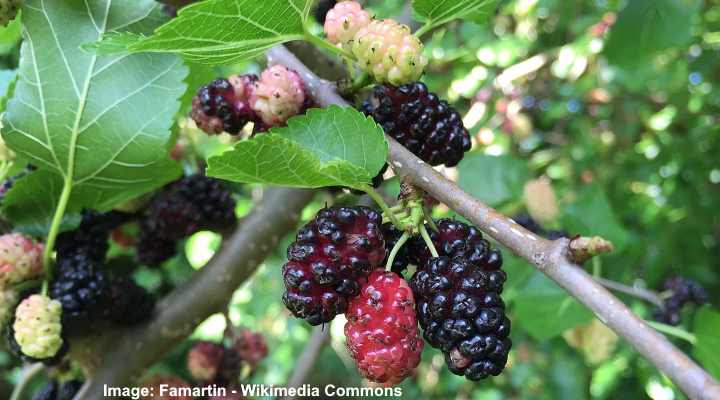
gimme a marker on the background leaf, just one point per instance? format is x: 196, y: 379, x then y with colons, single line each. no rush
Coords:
x: 545, y: 310
x: 101, y: 121
x: 228, y: 31
x: 591, y: 214
x: 653, y: 25
x: 438, y: 12
x: 325, y: 147
x: 493, y: 179
x: 707, y: 348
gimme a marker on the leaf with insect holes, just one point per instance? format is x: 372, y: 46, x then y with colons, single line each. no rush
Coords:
x: 326, y: 147
x: 439, y: 12
x: 220, y: 31
x: 99, y: 125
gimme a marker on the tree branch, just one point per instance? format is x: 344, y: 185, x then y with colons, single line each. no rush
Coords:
x: 550, y: 257
x: 308, y: 358
x: 122, y: 356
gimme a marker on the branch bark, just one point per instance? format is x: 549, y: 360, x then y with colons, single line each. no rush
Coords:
x: 122, y: 356
x: 319, y: 338
x: 549, y: 257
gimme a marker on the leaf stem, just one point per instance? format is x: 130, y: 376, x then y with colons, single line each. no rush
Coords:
x: 324, y: 44
x: 54, y: 230
x: 383, y: 206
x: 673, y: 331
x: 429, y: 25
x: 428, y: 242
x: 391, y: 258
x: 30, y: 373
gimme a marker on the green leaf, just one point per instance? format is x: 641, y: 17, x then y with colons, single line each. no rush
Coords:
x: 592, y: 214
x: 646, y: 27
x: 438, y: 12
x: 100, y: 123
x: 707, y: 348
x: 544, y: 310
x: 325, y: 147
x: 225, y: 31
x: 493, y: 179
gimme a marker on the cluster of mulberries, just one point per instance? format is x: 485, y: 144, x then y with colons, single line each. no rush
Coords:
x: 330, y: 257
x: 55, y: 390
x: 186, y: 206
x: 420, y: 121
x: 529, y: 223
x: 682, y: 291
x: 385, y: 49
x: 227, y: 105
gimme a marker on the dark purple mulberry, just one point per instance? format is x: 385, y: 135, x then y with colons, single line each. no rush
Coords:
x: 683, y: 291
x: 223, y: 105
x: 420, y: 121
x: 460, y: 310
x: 330, y: 259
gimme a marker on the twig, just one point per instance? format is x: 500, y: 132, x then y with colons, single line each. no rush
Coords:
x: 306, y: 362
x: 640, y: 293
x: 550, y: 257
x: 122, y: 356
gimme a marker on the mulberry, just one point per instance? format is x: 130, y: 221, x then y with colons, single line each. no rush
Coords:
x: 682, y: 291
x: 461, y: 312
x: 223, y: 105
x: 188, y: 205
x: 82, y: 288
x: 205, y: 360
x: 389, y: 52
x: 20, y: 258
x: 343, y: 21
x: 328, y: 261
x: 37, y: 326
x: 278, y: 95
x: 250, y: 346
x: 381, y: 331
x: 420, y: 121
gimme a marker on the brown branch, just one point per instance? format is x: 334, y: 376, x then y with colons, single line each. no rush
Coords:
x: 550, y: 257
x: 304, y: 365
x: 121, y: 357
